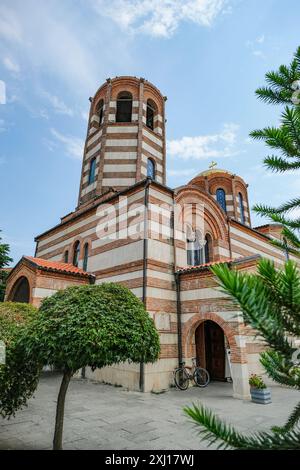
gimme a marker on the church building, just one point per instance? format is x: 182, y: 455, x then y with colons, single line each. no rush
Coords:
x: 129, y: 227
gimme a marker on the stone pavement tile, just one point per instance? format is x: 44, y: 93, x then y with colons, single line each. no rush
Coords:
x: 80, y: 444
x: 101, y: 416
x: 143, y: 437
x: 137, y: 429
x: 11, y: 443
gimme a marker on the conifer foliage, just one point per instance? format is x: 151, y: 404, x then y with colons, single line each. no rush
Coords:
x: 270, y: 302
x: 283, y: 88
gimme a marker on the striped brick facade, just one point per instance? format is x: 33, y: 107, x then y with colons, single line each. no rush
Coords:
x: 132, y: 227
x: 121, y: 149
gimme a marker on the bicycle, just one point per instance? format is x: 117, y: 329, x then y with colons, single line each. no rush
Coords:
x: 183, y: 374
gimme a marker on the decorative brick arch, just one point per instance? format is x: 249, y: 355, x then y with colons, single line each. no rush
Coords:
x: 230, y: 330
x: 214, y: 217
x: 13, y: 289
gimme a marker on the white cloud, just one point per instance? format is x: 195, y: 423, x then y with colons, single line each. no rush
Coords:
x: 50, y: 38
x: 159, y: 18
x: 260, y: 39
x: 10, y: 27
x: 73, y: 145
x: 11, y: 65
x: 255, y: 44
x: 85, y: 115
x: 58, y: 105
x: 202, y: 147
x: 258, y: 53
x: 182, y: 172
x: 2, y: 92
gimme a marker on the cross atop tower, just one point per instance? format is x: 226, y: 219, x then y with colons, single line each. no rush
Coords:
x: 212, y: 165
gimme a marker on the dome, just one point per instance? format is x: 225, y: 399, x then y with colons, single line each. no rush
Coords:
x: 211, y: 171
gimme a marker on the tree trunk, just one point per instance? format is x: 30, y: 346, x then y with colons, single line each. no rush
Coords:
x: 60, y: 410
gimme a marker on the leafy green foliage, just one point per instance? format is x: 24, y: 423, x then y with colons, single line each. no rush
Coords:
x: 3, y: 278
x: 18, y: 379
x: 92, y: 326
x: 5, y: 259
x: 270, y: 302
x: 280, y: 89
x: 213, y: 430
x: 4, y: 254
x: 256, y: 381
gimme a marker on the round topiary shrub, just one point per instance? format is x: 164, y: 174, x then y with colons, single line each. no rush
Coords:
x: 90, y: 325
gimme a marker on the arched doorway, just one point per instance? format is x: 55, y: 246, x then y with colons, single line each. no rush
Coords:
x: 212, y: 350
x: 20, y: 291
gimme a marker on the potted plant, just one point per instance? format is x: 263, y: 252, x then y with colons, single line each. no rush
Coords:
x: 258, y: 390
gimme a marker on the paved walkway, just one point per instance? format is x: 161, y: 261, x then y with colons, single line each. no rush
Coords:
x: 105, y: 417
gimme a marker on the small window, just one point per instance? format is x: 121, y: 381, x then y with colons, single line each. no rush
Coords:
x: 76, y: 253
x: 150, y: 168
x: 242, y: 209
x: 85, y: 256
x: 124, y: 107
x: 221, y: 198
x: 100, y: 111
x: 195, y: 249
x: 208, y: 249
x: 151, y: 111
x: 92, y: 171
x: 66, y: 256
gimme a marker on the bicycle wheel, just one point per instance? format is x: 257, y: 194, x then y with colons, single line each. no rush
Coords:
x: 181, y: 378
x: 201, y: 377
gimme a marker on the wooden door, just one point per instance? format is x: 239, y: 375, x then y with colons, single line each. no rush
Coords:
x: 215, y: 350
x: 200, y: 345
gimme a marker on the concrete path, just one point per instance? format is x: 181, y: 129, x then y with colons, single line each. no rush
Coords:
x: 105, y: 417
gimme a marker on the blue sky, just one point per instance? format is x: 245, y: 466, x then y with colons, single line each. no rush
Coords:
x: 206, y: 56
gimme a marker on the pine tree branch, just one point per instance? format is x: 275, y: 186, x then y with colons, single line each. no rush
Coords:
x: 215, y: 431
x: 292, y: 421
x: 249, y: 292
x: 279, y: 164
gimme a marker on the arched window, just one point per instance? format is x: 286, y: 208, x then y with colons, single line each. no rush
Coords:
x: 242, y: 209
x: 208, y: 249
x: 150, y: 168
x: 92, y: 171
x: 221, y: 198
x: 76, y: 253
x: 124, y: 107
x: 195, y: 249
x: 100, y: 111
x: 85, y: 256
x: 151, y: 111
x: 20, y: 291
x: 66, y: 256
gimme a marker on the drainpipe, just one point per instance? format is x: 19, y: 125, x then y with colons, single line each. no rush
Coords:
x: 145, y: 259
x: 179, y: 325
x: 229, y: 238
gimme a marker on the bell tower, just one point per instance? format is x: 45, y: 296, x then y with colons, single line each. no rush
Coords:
x: 125, y: 140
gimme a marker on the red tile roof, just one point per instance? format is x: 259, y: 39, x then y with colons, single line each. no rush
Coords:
x: 212, y: 263
x: 204, y: 265
x: 57, y: 266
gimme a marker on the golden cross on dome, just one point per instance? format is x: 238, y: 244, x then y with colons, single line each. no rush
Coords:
x: 212, y: 165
